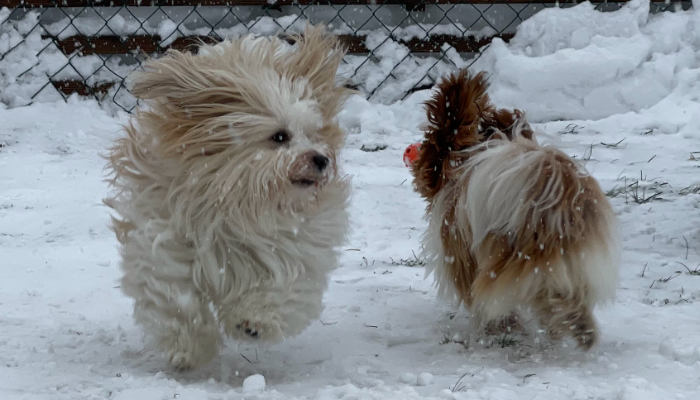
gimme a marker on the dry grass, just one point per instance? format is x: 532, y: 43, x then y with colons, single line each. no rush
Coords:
x: 413, y: 261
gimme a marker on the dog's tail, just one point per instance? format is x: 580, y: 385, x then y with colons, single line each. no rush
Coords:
x: 460, y: 116
x: 453, y: 124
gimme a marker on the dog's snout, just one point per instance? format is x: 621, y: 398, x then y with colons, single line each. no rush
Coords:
x: 310, y: 169
x: 320, y: 161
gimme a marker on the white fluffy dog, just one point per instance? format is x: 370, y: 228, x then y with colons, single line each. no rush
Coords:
x: 229, y: 201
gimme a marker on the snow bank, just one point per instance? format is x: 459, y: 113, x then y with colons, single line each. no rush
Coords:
x: 579, y: 63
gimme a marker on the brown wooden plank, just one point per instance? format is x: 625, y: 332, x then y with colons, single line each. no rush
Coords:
x: 188, y: 42
x: 110, y: 44
x: 106, y: 45
x: 466, y: 44
x: 354, y: 43
x: 69, y: 87
x: 87, y: 45
x: 164, y: 3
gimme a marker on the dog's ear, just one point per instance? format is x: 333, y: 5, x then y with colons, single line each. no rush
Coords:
x: 511, y: 123
x: 317, y: 57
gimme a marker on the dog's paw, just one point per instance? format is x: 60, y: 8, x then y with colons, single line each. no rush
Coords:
x: 181, y: 361
x: 187, y: 350
x: 248, y: 329
x: 586, y: 337
x: 186, y: 359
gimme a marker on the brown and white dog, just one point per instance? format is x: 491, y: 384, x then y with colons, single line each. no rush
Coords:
x: 512, y: 224
x: 228, y: 198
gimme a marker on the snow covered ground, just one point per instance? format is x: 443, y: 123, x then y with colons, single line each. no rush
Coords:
x: 633, y: 119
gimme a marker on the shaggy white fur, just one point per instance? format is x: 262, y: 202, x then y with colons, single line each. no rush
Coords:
x: 230, y: 205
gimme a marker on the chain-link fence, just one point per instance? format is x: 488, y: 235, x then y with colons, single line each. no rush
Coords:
x: 53, y: 49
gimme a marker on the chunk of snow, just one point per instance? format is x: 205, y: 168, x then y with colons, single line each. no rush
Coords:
x: 254, y: 383
x: 424, y: 379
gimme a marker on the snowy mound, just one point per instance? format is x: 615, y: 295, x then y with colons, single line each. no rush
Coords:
x: 579, y: 63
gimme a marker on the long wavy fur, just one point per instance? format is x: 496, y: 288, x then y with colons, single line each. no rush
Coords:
x: 228, y: 201
x: 511, y: 222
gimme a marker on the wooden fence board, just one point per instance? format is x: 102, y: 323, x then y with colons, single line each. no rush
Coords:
x: 106, y: 45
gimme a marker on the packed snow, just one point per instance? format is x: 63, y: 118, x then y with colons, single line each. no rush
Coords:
x: 618, y: 91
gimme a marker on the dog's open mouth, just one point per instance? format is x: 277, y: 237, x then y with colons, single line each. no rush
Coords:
x: 305, y: 182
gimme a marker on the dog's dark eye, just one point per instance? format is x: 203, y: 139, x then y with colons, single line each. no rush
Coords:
x: 280, y: 137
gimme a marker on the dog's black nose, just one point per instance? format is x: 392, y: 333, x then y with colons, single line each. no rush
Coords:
x: 320, y: 161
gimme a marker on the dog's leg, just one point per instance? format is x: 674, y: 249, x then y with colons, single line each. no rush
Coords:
x: 169, y: 306
x: 508, y: 324
x: 254, y: 315
x: 271, y: 313
x: 561, y: 315
x: 190, y: 337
